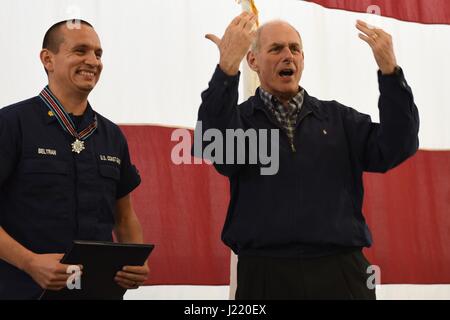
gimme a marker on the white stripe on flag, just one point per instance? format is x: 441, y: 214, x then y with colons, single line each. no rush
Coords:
x: 384, y: 292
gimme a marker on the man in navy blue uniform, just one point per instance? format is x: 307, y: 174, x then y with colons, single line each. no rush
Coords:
x: 65, y: 171
x: 299, y: 233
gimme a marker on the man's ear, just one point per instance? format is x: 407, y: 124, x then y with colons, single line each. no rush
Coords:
x: 251, y: 60
x: 47, y: 59
x: 303, y: 59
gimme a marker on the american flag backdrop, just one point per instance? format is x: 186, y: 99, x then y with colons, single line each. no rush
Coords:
x: 156, y: 64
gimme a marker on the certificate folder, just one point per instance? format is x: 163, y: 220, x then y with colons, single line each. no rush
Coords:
x: 101, y: 261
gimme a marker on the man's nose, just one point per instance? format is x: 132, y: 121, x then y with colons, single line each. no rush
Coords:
x: 287, y: 55
x: 92, y: 60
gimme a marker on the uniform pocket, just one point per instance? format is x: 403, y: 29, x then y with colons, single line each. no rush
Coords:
x: 108, y: 171
x: 48, y: 166
x: 45, y: 185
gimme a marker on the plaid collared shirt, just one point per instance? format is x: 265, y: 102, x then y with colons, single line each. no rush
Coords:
x: 285, y: 115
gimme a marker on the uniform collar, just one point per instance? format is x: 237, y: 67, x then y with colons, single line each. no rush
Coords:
x: 49, y: 118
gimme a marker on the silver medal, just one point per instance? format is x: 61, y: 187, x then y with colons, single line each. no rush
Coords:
x: 77, y: 146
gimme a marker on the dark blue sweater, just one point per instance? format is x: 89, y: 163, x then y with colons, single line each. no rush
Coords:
x: 313, y: 205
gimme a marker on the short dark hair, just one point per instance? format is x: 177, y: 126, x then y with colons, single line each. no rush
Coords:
x: 53, y: 37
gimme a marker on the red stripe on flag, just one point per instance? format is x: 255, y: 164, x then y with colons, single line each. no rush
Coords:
x: 182, y: 209
x: 422, y: 11
x: 408, y: 210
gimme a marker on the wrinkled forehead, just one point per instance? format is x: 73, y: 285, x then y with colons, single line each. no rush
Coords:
x: 279, y: 32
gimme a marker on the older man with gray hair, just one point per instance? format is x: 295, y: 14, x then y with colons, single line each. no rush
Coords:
x: 299, y: 233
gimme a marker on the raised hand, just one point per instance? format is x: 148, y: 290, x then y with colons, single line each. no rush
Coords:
x: 381, y: 44
x: 235, y: 42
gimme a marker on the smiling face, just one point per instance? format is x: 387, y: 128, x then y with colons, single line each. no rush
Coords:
x: 76, y: 66
x: 278, y: 59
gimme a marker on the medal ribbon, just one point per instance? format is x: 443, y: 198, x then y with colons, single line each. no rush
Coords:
x: 63, y: 118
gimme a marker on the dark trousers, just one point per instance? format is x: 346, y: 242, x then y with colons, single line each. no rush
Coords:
x: 338, y: 276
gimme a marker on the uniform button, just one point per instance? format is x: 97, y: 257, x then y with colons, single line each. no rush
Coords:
x: 403, y: 84
x: 225, y: 82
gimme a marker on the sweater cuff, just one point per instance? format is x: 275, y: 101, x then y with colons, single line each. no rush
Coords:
x: 222, y: 79
x: 397, y: 79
